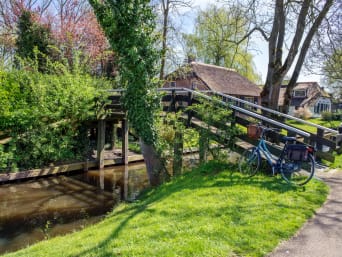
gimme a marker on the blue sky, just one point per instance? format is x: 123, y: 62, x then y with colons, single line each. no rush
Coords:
x: 260, y: 56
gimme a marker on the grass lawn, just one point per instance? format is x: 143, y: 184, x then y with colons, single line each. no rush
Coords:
x: 210, y: 211
x: 318, y: 121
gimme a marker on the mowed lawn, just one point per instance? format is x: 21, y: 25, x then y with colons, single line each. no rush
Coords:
x: 209, y: 211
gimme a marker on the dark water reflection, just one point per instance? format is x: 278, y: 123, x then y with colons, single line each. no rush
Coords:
x: 38, y: 209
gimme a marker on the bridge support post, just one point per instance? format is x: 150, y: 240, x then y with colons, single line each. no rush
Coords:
x: 124, y: 126
x: 112, y: 134
x: 178, y: 153
x: 190, y: 96
x: 101, y: 133
x: 320, y: 134
x: 203, y: 145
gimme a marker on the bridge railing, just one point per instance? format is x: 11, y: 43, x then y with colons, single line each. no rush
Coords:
x: 325, y: 139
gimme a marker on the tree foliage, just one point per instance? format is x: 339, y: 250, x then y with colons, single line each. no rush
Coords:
x: 293, y: 24
x: 219, y: 39
x: 167, y: 10
x: 73, y: 26
x: 332, y: 70
x: 129, y: 27
x: 43, y: 116
x: 33, y: 40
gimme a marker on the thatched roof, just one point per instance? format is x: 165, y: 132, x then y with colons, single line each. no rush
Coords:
x: 221, y: 79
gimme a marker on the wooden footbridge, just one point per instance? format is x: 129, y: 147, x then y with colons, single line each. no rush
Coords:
x: 326, y: 140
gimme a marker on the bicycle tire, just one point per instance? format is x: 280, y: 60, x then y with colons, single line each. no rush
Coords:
x: 297, y: 172
x: 249, y: 162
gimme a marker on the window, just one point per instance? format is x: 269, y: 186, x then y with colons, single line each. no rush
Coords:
x: 251, y: 100
x: 173, y: 84
x: 299, y: 93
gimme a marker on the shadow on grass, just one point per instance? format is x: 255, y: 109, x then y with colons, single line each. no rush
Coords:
x: 205, y: 176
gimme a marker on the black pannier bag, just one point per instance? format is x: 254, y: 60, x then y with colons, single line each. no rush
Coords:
x: 297, y: 152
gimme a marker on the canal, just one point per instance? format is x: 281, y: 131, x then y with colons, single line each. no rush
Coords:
x: 39, y: 209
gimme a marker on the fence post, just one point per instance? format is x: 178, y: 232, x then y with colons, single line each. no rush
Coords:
x: 320, y: 134
x: 190, y: 96
x: 101, y: 134
x: 178, y: 153
x: 173, y: 100
x: 203, y: 145
x: 124, y: 126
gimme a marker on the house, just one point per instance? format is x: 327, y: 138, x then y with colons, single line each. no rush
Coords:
x: 204, y: 77
x: 307, y: 95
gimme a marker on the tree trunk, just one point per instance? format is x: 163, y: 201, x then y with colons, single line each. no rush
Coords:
x: 155, y: 168
x: 166, y: 7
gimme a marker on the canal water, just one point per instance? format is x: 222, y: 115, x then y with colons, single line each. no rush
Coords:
x: 39, y: 209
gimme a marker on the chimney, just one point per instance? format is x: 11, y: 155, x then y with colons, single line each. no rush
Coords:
x: 191, y: 58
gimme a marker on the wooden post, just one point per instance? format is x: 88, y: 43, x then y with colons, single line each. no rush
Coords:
x: 173, y: 101
x: 126, y: 184
x: 101, y: 133
x: 178, y: 153
x: 320, y: 134
x: 113, y: 135
x: 190, y: 96
x: 124, y: 127
x: 233, y: 121
x: 203, y: 145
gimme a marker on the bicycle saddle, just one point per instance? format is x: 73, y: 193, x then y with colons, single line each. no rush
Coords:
x: 291, y: 139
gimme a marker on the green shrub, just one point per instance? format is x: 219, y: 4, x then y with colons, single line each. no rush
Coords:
x: 44, y: 115
x: 327, y: 116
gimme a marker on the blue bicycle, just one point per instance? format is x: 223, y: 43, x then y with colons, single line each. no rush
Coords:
x: 296, y: 162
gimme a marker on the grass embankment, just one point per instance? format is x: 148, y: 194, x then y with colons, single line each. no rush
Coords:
x: 318, y: 121
x: 210, y: 211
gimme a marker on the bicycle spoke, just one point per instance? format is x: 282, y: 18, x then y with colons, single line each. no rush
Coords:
x: 297, y: 172
x: 249, y: 162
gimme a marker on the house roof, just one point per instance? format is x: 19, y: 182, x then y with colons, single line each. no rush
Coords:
x: 313, y: 92
x: 224, y: 80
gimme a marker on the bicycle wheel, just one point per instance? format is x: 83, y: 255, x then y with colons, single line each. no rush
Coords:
x: 249, y: 162
x: 297, y: 172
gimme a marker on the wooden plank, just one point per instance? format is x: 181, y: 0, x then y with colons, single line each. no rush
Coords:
x: 60, y: 169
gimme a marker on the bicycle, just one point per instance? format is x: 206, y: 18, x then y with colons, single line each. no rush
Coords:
x: 296, y: 162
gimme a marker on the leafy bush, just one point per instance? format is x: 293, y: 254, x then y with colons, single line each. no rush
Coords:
x: 329, y: 116
x: 44, y: 115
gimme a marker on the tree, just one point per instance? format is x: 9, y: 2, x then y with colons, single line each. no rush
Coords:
x: 332, y: 70
x: 129, y: 26
x: 10, y: 11
x: 72, y: 24
x: 306, y: 17
x: 166, y: 8
x: 77, y: 31
x: 219, y: 39
x: 33, y: 40
x: 326, y: 49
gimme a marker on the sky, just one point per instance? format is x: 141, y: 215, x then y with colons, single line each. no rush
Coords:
x: 260, y: 56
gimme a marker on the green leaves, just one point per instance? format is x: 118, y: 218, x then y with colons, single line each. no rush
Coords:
x: 129, y: 26
x: 44, y: 115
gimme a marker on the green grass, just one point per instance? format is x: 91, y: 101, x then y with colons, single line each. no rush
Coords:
x: 337, y: 164
x: 318, y: 121
x: 210, y: 211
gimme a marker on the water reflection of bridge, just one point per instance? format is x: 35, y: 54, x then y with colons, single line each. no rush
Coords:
x: 46, y: 207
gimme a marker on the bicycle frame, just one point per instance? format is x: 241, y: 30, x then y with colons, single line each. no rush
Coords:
x: 271, y: 160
